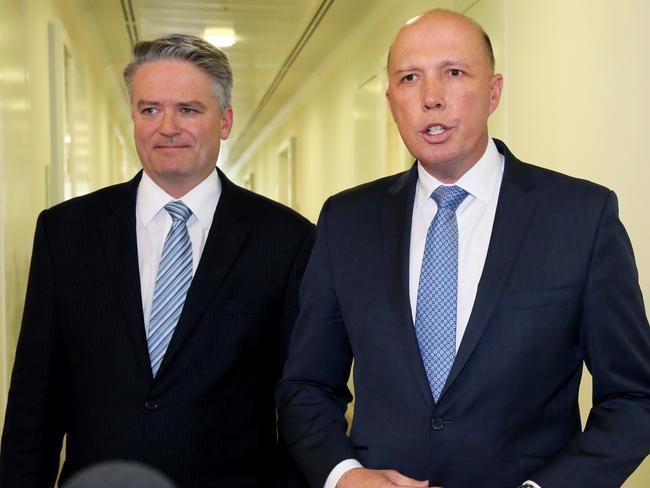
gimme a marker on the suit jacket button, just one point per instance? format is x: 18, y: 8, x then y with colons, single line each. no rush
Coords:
x: 151, y: 405
x: 437, y: 424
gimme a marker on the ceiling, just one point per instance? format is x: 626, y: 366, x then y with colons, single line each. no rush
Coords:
x: 279, y: 42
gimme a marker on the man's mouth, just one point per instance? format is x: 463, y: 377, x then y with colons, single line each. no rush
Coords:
x: 434, y: 130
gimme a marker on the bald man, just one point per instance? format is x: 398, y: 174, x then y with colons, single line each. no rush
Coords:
x: 469, y: 290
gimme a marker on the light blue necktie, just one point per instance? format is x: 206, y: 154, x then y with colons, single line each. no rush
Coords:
x: 435, y: 316
x: 173, y: 281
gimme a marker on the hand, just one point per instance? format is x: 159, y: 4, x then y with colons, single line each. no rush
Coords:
x: 378, y: 478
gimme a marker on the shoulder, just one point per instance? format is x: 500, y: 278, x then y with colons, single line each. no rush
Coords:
x: 271, y: 209
x: 567, y: 193
x: 370, y: 195
x: 94, y: 204
x: 562, y: 181
x: 549, y: 185
x: 264, y: 212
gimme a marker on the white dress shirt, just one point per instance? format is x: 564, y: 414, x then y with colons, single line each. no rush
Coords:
x: 475, y: 217
x: 152, y: 223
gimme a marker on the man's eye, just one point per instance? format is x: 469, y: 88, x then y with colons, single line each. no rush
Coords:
x: 187, y: 110
x: 409, y: 77
x: 455, y: 73
x: 149, y: 110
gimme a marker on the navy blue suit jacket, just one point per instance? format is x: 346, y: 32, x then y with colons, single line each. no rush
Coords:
x: 82, y: 367
x: 559, y: 288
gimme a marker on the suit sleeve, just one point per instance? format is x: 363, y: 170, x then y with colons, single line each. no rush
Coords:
x: 291, y: 301
x: 615, y: 338
x: 35, y: 417
x: 290, y: 476
x: 313, y: 394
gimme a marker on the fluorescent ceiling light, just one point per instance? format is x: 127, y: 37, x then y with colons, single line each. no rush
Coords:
x: 219, y: 36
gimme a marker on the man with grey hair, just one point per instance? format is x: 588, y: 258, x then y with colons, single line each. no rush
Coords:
x: 158, y: 311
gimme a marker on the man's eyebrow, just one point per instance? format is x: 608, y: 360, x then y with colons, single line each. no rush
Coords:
x: 191, y: 103
x: 451, y: 62
x: 147, y: 103
x: 407, y: 68
x: 153, y: 103
x: 442, y: 65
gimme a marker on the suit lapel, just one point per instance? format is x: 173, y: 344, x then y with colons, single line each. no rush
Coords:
x: 396, y: 218
x: 514, y: 210
x: 120, y: 245
x: 229, y: 230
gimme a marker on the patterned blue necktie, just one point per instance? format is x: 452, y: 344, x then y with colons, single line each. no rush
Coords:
x: 435, y: 316
x: 173, y: 281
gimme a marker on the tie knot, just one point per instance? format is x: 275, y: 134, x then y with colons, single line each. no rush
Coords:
x: 449, y: 196
x: 178, y: 211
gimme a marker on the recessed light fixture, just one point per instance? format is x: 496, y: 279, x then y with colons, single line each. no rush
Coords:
x: 220, y: 36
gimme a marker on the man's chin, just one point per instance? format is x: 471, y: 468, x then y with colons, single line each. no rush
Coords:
x: 446, y: 170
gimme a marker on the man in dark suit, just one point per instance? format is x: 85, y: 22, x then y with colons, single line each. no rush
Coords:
x: 469, y: 291
x: 158, y: 311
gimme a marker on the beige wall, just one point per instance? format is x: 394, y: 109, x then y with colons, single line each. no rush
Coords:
x: 13, y: 145
x: 576, y: 100
x: 25, y: 142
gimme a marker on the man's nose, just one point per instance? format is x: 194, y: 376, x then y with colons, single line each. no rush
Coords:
x: 433, y: 96
x: 169, y: 125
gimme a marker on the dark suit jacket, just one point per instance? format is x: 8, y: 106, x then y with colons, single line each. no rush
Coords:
x: 559, y: 287
x: 82, y: 367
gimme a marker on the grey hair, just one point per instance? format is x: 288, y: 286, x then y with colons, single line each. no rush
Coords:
x: 184, y: 47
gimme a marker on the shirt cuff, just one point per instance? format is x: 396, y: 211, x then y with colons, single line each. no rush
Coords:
x: 340, y: 469
x: 532, y: 483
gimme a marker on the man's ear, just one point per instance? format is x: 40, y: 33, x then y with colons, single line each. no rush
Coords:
x: 496, y: 85
x: 226, y: 123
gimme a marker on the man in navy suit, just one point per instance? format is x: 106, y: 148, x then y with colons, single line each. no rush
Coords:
x: 541, y: 277
x: 158, y: 311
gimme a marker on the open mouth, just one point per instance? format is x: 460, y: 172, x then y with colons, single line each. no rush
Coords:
x: 435, y: 130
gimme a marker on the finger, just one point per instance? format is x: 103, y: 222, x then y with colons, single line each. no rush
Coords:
x: 400, y: 480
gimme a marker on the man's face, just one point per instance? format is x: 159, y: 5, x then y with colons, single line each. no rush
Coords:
x: 441, y: 90
x: 178, y: 125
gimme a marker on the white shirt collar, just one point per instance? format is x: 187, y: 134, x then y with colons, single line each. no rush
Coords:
x: 202, y: 200
x: 481, y: 181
